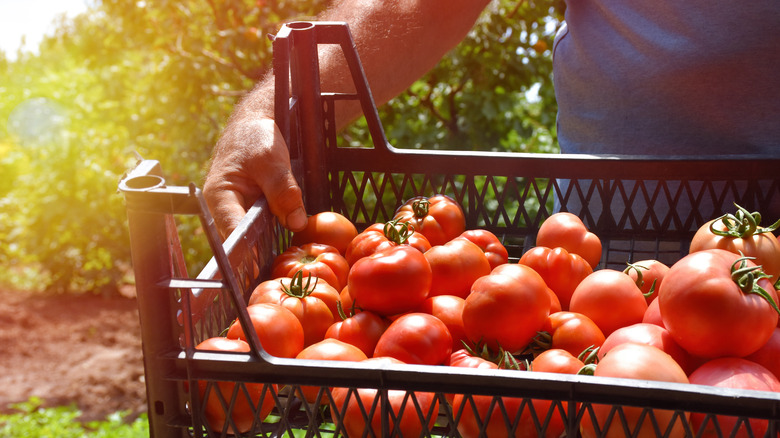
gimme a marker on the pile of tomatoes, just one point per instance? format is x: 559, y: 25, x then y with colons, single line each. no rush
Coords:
x: 422, y: 289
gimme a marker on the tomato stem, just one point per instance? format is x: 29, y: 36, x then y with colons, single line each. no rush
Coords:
x: 747, y: 277
x: 398, y: 232
x: 420, y: 207
x: 742, y: 224
x: 297, y: 288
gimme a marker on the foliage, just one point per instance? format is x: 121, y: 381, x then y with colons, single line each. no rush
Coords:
x: 161, y: 78
x: 33, y: 421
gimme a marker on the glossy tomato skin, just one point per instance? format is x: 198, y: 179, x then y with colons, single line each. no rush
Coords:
x: 491, y: 245
x: 768, y: 356
x: 650, y: 334
x: 455, y: 266
x: 560, y: 269
x: 610, y: 298
x: 449, y: 309
x: 242, y: 414
x: 416, y: 338
x: 322, y: 261
x: 374, y: 239
x: 348, y: 414
x: 329, y: 228
x: 278, y: 329
x: 653, y: 314
x: 643, y: 362
x: 737, y: 373
x: 506, y: 311
x: 708, y: 314
x: 442, y: 220
x: 566, y: 230
x: 392, y: 281
x: 572, y: 332
x: 653, y: 273
x: 765, y: 247
x: 363, y: 330
x: 328, y: 349
x: 519, y: 271
x: 314, y: 307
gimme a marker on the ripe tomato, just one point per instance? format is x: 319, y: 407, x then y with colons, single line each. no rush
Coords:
x: 706, y: 310
x: 636, y: 361
x: 351, y: 407
x: 322, y: 261
x: 648, y: 275
x: 449, y: 309
x: 328, y: 349
x: 566, y: 230
x: 439, y: 218
x: 742, y: 233
x: 363, y: 330
x: 310, y: 300
x: 653, y: 314
x: 455, y: 266
x: 506, y: 311
x: 610, y: 298
x: 494, y: 250
x: 279, y: 330
x: 561, y: 270
x: 378, y: 237
x: 391, y: 281
x: 732, y: 372
x: 416, y: 338
x: 556, y: 360
x: 769, y: 355
x: 569, y: 331
x: 242, y: 415
x: 654, y: 335
x: 517, y: 270
x: 328, y: 228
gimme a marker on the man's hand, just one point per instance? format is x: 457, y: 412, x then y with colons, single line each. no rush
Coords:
x: 251, y: 159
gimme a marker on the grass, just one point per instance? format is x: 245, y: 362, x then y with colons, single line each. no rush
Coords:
x: 31, y: 420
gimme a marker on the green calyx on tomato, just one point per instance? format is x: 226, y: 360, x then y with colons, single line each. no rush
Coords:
x: 398, y: 232
x: 742, y: 224
x: 639, y: 278
x: 421, y: 207
x: 746, y: 277
x: 298, y: 288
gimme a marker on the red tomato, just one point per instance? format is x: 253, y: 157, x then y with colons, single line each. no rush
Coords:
x: 439, y: 218
x: 449, y: 309
x: 378, y: 237
x: 242, y: 415
x: 742, y: 233
x: 279, y: 330
x: 352, y: 406
x: 738, y: 373
x: 519, y: 271
x: 648, y: 275
x: 571, y: 332
x: 462, y: 358
x: 708, y: 313
x: 474, y: 411
x: 363, y: 330
x: 561, y: 270
x: 328, y: 349
x: 644, y: 362
x: 653, y: 314
x: 567, y: 231
x: 329, y: 228
x: 494, y: 250
x: 769, y: 355
x: 310, y: 300
x: 506, y: 311
x: 416, y: 338
x: 556, y: 361
x: 654, y: 335
x: 322, y: 261
x: 392, y: 281
x: 610, y: 298
x: 455, y: 266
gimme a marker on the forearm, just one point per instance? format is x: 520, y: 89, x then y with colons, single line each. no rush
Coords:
x: 398, y: 41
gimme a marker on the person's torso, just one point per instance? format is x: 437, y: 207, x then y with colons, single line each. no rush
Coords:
x: 681, y: 77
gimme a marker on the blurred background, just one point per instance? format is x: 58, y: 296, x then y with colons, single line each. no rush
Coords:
x: 87, y: 84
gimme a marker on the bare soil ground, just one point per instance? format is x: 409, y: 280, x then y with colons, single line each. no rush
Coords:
x: 82, y: 349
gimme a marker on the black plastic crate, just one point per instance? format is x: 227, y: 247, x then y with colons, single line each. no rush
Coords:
x: 641, y: 207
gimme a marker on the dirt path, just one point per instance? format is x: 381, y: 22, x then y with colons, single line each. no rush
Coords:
x: 71, y: 349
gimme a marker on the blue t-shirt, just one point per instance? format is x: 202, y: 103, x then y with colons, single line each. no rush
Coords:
x: 679, y: 77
